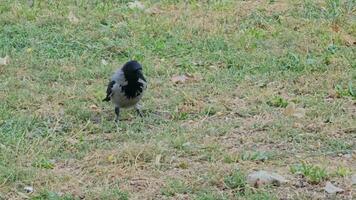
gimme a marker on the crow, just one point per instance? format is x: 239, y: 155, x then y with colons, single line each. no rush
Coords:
x: 126, y: 87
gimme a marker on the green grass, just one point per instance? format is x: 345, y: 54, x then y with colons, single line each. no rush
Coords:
x: 314, y: 174
x: 248, y: 60
x: 175, y: 187
x: 236, y: 180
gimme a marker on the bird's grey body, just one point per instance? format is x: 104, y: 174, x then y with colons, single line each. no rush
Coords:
x: 126, y: 87
x: 118, y: 97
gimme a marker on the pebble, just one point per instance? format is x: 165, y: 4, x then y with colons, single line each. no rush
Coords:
x: 332, y: 189
x: 353, y: 179
x: 263, y: 177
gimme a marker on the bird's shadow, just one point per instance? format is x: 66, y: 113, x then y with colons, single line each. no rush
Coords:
x: 129, y: 116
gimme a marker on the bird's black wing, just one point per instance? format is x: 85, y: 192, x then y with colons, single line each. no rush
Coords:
x: 109, y: 91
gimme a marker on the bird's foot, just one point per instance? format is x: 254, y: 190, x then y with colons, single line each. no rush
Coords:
x: 139, y: 112
x: 117, y: 112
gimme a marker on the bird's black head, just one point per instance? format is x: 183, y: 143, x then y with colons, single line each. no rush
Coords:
x: 131, y: 67
x: 133, y: 72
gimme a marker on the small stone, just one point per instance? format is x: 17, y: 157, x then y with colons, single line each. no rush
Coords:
x: 353, y: 179
x: 104, y: 62
x: 263, y: 177
x: 28, y: 189
x: 332, y: 189
x: 31, y: 3
x: 72, y: 18
x: 347, y: 156
x: 5, y: 60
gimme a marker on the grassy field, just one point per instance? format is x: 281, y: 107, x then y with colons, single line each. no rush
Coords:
x: 271, y: 85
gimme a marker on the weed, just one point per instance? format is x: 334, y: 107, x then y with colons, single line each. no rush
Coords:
x: 338, y: 146
x: 44, y: 163
x: 210, y: 195
x: 114, y: 194
x: 231, y: 158
x: 256, y: 195
x: 343, y: 171
x: 48, y: 195
x: 256, y: 156
x: 236, y: 180
x: 314, y: 174
x: 278, y: 102
x: 175, y: 187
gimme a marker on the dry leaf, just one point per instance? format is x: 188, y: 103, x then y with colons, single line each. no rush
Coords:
x: 348, y: 39
x: 158, y: 160
x: 300, y: 113
x: 333, y: 94
x: 291, y: 110
x: 111, y: 158
x: 72, y: 18
x: 335, y: 27
x: 72, y: 141
x: 297, y: 125
x: 94, y: 107
x: 5, y: 60
x: 185, y: 78
x: 194, y: 78
x: 153, y: 11
x: 179, y: 79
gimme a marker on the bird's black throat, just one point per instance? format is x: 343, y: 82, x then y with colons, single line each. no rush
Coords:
x: 133, y: 88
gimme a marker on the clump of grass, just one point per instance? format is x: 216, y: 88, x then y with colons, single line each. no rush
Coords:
x: 256, y: 195
x: 175, y: 187
x: 13, y: 173
x: 236, y: 180
x: 44, y: 163
x: 292, y: 62
x: 338, y: 146
x: 49, y: 195
x: 343, y: 91
x: 115, y: 193
x: 343, y: 171
x: 314, y: 174
x: 256, y: 156
x: 210, y: 195
x: 278, y: 101
x: 231, y: 158
x: 334, y: 10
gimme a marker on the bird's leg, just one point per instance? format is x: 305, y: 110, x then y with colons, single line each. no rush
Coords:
x: 117, y: 112
x: 138, y: 110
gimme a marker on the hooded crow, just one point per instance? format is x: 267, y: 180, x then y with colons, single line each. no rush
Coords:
x: 126, y: 87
